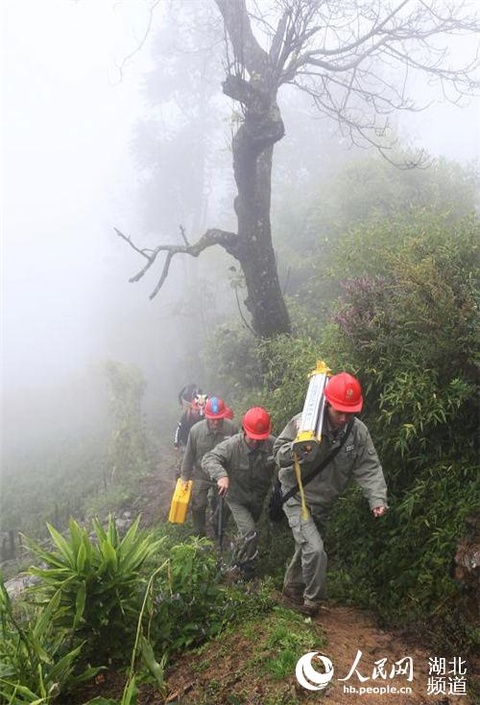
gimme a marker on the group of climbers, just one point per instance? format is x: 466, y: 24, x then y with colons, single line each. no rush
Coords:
x: 238, y: 467
x: 194, y: 402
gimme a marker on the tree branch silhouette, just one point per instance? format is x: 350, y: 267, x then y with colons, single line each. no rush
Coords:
x: 227, y: 240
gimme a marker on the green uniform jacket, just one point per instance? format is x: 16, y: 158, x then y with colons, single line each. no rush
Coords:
x: 200, y: 440
x: 250, y: 471
x: 357, y: 460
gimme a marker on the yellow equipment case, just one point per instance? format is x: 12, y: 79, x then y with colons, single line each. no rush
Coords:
x: 180, y: 501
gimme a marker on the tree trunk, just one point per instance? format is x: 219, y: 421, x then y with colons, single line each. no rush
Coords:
x: 252, y: 164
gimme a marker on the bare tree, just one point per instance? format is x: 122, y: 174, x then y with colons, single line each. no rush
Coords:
x: 355, y: 58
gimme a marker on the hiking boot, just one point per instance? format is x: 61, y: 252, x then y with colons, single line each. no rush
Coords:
x: 293, y: 594
x: 309, y: 609
x: 305, y: 607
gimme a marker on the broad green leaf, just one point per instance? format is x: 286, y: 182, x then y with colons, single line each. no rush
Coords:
x: 62, y: 544
x: 45, y: 556
x: 80, y: 604
x: 81, y: 557
x: 112, y: 532
x: 47, y: 616
x: 129, y: 696
x: 28, y: 695
x: 110, y: 555
x: 76, y: 535
x: 99, y: 530
x: 156, y: 669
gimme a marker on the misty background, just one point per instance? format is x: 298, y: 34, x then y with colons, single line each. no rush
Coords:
x: 78, y: 82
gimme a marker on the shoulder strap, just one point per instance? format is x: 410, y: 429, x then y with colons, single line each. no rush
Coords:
x: 322, y: 465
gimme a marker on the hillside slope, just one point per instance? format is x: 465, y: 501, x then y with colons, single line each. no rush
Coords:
x: 371, y: 666
x: 230, y: 671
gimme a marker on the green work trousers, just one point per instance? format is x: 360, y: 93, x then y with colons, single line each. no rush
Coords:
x: 246, y: 548
x: 307, y: 570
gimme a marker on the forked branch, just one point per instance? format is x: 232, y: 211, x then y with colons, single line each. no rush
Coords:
x: 228, y: 240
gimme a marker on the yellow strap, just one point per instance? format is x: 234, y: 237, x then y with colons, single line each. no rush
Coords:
x: 298, y: 475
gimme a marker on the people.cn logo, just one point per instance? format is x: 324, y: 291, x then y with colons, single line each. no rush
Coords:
x: 308, y: 676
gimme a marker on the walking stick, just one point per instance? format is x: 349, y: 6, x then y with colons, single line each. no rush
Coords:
x: 220, y: 527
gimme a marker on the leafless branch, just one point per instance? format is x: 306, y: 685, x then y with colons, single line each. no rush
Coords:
x: 132, y: 244
x: 246, y: 48
x: 341, y: 46
x: 227, y: 240
x: 140, y: 44
x: 355, y: 59
x: 184, y: 237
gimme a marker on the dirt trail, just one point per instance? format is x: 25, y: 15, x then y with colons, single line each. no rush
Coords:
x: 383, y: 663
x: 348, y: 632
x: 154, y: 494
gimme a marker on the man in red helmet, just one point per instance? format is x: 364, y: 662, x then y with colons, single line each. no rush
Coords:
x: 304, y: 582
x: 243, y: 467
x: 204, y: 436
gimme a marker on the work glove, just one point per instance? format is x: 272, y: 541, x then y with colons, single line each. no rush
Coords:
x: 307, y: 453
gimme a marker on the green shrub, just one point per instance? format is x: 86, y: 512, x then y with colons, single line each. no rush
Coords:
x: 102, y: 598
x: 97, y: 582
x: 36, y: 663
x: 187, y: 604
x: 408, y: 321
x: 128, y: 444
x: 402, y: 566
x: 413, y: 335
x: 232, y: 362
x: 407, y: 325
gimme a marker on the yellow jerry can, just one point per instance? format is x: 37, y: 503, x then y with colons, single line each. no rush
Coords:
x: 180, y: 501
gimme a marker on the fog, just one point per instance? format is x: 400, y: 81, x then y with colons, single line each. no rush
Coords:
x: 67, y: 172
x: 70, y: 102
x: 69, y: 107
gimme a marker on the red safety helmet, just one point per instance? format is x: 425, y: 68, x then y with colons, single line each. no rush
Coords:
x: 257, y: 423
x: 215, y: 408
x: 344, y: 393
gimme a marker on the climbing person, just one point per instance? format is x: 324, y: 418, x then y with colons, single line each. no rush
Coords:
x: 204, y: 436
x: 193, y: 402
x: 219, y: 512
x: 308, y: 509
x: 243, y: 467
x: 187, y: 394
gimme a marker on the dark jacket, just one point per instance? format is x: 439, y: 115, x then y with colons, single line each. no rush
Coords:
x: 187, y: 420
